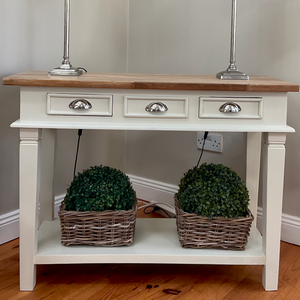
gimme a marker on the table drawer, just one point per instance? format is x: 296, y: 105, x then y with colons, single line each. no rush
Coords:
x: 79, y: 104
x: 230, y: 107
x: 155, y: 107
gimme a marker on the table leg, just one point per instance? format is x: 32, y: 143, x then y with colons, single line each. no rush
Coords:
x: 253, y: 168
x: 47, y: 169
x: 29, y: 205
x: 273, y: 175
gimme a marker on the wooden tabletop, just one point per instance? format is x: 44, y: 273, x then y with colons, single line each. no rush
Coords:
x: 151, y: 81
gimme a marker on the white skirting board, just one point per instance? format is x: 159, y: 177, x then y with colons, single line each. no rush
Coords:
x: 9, y: 226
x: 154, y: 192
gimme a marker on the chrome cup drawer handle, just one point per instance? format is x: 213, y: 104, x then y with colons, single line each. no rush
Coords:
x: 80, y: 104
x: 155, y: 107
x: 230, y: 107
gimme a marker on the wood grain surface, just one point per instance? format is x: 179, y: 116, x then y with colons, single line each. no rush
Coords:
x: 139, y: 282
x: 151, y: 81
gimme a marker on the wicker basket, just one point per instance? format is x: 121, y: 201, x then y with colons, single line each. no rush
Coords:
x: 107, y: 228
x: 222, y: 233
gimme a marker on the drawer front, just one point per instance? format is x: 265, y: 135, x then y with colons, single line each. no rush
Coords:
x: 155, y: 107
x: 79, y: 104
x: 231, y: 107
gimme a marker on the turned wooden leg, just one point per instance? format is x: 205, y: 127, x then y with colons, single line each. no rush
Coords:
x: 273, y: 171
x: 47, y: 169
x: 253, y: 169
x: 29, y: 204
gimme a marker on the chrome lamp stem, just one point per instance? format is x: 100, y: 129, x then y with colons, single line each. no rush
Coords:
x: 232, y: 72
x: 66, y: 68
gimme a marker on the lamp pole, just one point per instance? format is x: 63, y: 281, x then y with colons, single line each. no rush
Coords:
x: 66, y: 68
x: 232, y: 72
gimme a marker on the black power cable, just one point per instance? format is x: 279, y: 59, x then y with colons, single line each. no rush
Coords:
x: 204, y: 140
x: 81, y: 68
x: 155, y: 208
x: 77, y: 150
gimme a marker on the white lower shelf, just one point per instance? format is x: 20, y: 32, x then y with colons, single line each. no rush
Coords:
x: 155, y: 241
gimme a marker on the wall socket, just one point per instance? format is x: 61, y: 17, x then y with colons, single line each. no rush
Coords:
x: 214, y: 142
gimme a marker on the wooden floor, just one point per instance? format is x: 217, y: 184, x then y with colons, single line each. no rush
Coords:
x: 128, y: 281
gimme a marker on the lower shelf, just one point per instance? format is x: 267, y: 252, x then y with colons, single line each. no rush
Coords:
x: 155, y: 241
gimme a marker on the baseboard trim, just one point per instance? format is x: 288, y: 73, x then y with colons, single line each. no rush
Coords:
x: 154, y: 192
x: 9, y: 226
x: 290, y: 227
x: 57, y: 201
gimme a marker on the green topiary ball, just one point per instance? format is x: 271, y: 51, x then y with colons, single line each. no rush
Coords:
x: 213, y: 190
x: 100, y: 188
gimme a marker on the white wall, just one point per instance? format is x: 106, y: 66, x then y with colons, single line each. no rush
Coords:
x: 165, y: 36
x: 192, y: 37
x: 31, y: 35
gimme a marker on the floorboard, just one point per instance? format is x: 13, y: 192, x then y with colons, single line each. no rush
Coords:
x: 148, y: 281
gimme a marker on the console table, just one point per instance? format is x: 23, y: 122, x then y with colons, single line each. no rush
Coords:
x: 148, y: 102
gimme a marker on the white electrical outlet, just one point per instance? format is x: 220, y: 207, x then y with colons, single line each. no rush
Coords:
x: 214, y: 142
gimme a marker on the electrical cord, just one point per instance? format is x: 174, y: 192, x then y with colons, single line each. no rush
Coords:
x: 81, y: 68
x: 156, y: 203
x: 77, y: 150
x: 204, y: 140
x: 154, y: 209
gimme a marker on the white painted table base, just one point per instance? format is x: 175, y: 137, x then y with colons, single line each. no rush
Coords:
x: 29, y: 194
x: 273, y: 168
x: 37, y: 134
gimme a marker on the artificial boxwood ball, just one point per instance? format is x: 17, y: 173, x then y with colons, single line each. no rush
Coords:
x: 100, y: 188
x: 213, y: 190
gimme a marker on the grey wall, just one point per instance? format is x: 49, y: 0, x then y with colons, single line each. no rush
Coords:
x: 31, y: 35
x: 165, y: 36
x: 183, y: 37
x: 192, y: 37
